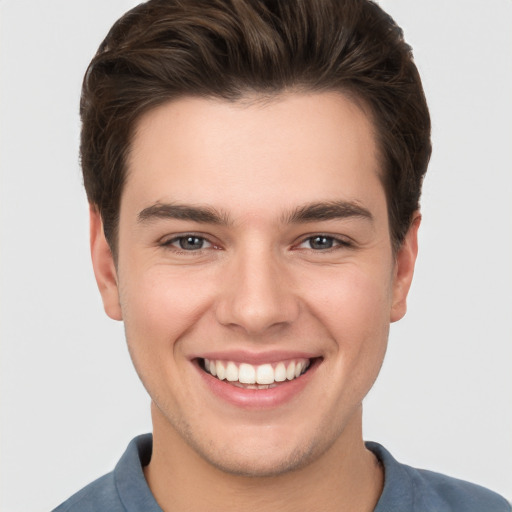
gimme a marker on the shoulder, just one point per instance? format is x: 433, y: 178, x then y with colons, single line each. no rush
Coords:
x: 418, y: 490
x: 122, y: 489
x: 98, y: 495
x: 456, y: 495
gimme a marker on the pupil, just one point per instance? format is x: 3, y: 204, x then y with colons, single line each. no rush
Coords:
x: 190, y: 243
x: 321, y: 242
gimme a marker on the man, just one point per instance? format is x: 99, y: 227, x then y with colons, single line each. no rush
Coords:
x: 254, y: 172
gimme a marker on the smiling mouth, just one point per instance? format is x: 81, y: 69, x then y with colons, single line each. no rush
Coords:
x: 262, y: 376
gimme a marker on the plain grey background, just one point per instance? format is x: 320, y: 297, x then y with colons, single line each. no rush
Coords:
x: 70, y: 400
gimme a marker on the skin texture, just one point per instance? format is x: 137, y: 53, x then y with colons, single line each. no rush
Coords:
x: 256, y: 286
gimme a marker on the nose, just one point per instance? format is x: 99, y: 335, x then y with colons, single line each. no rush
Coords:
x: 257, y: 294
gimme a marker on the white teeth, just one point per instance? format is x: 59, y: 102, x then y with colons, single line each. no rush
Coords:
x: 290, y: 371
x: 247, y: 374
x: 280, y: 373
x: 265, y: 374
x: 256, y: 377
x: 221, y: 371
x: 231, y: 372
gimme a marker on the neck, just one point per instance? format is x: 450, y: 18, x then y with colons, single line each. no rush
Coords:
x: 347, y: 477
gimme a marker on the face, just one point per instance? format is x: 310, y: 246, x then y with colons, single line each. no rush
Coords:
x: 255, y: 275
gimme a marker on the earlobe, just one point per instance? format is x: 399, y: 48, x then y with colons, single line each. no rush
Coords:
x: 404, y: 269
x: 104, y: 266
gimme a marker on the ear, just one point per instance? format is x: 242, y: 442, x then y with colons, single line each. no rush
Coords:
x: 404, y: 269
x: 104, y: 267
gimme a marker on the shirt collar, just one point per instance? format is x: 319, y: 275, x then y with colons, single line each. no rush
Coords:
x: 129, y: 477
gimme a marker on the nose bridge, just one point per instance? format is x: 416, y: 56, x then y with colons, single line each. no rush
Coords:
x: 258, y: 292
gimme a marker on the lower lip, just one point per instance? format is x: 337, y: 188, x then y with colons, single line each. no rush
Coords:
x: 258, y: 398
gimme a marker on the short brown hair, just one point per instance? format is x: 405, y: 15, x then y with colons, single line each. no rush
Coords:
x: 164, y: 49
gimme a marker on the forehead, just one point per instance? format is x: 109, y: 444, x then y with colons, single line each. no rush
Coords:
x: 249, y: 155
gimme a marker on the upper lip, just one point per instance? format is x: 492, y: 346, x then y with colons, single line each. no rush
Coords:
x: 244, y: 356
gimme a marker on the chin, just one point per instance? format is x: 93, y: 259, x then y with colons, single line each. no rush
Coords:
x: 265, y: 464
x: 264, y: 451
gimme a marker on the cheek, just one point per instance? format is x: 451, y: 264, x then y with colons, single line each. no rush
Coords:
x: 159, y: 306
x: 358, y: 322
x: 353, y: 300
x: 160, y: 309
x: 354, y: 307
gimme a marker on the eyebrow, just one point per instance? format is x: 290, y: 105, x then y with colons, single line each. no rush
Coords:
x: 204, y: 214
x: 311, y: 212
x: 331, y: 210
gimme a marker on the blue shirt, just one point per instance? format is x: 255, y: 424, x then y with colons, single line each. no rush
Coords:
x: 405, y: 489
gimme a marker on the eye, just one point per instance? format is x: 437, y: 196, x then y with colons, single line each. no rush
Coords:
x: 323, y: 243
x: 188, y: 243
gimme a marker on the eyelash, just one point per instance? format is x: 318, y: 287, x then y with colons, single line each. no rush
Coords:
x: 337, y: 243
x: 181, y: 250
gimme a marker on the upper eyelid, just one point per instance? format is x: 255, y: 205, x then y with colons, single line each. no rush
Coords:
x: 179, y: 237
x: 170, y: 244
x: 169, y: 239
x: 338, y: 238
